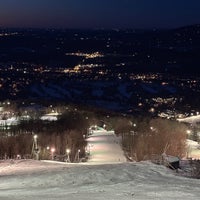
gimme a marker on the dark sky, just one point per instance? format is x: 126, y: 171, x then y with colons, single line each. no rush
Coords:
x: 99, y: 13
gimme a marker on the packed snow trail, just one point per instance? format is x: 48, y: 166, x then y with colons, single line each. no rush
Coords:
x: 104, y: 147
x: 39, y: 180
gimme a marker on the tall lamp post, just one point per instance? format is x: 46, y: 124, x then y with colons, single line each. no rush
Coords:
x: 68, y: 152
x: 52, y: 153
x: 35, y: 147
x: 79, y: 155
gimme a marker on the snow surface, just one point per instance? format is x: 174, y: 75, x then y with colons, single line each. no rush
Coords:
x: 191, y: 119
x: 50, y: 116
x: 103, y: 177
x: 193, y: 149
x: 104, y: 147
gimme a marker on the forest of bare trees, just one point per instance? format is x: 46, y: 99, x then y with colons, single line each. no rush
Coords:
x: 143, y: 138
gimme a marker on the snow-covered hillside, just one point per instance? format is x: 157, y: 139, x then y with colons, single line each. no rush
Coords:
x: 39, y: 180
x: 103, y: 177
x: 109, y: 94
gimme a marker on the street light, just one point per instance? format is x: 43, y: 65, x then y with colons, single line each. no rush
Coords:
x: 52, y: 153
x: 35, y: 142
x: 35, y: 136
x: 35, y: 147
x: 68, y: 152
x: 78, y: 154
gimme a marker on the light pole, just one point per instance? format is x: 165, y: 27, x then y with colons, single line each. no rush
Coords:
x: 78, y: 154
x: 68, y: 152
x: 47, y: 152
x: 35, y: 140
x: 52, y: 153
x: 35, y: 147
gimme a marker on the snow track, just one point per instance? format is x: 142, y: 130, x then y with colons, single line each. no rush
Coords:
x: 104, y: 147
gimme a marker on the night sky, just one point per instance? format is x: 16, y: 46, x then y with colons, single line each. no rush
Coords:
x: 99, y: 13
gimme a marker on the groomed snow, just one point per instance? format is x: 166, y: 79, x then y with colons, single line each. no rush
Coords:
x: 47, y: 180
x: 104, y: 147
x: 39, y: 180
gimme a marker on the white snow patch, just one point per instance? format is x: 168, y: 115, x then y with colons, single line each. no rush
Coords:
x: 191, y: 119
x: 193, y: 149
x: 50, y: 116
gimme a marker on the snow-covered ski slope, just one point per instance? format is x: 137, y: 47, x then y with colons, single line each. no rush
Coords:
x: 103, y: 177
x: 104, y: 147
